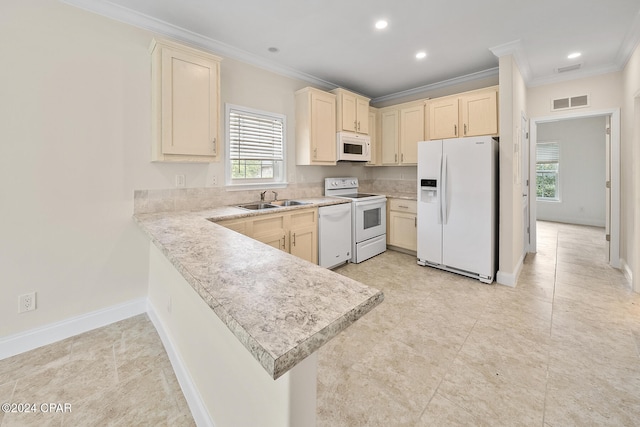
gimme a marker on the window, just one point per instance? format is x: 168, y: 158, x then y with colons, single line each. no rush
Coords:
x: 547, y: 163
x: 255, y: 141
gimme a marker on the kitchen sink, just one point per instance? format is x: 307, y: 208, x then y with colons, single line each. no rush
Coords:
x: 258, y: 206
x: 288, y: 203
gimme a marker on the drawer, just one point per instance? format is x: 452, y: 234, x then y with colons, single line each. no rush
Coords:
x: 403, y: 205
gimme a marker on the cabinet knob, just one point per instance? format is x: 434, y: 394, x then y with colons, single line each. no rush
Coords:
x: 396, y: 158
x: 315, y: 153
x: 294, y: 239
x: 465, y: 129
x: 284, y: 241
x: 355, y: 124
x: 455, y: 130
x: 214, y: 148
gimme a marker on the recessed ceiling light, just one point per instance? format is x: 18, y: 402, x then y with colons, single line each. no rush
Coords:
x: 574, y: 55
x: 421, y: 55
x: 381, y: 24
x: 273, y: 49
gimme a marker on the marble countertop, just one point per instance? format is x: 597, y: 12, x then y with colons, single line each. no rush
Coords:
x: 280, y: 307
x: 404, y: 196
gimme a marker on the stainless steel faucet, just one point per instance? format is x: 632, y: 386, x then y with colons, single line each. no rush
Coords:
x: 275, y: 195
x: 262, y: 194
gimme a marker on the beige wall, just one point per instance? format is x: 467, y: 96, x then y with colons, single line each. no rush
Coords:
x: 630, y: 156
x: 512, y: 106
x: 75, y: 132
x: 605, y: 92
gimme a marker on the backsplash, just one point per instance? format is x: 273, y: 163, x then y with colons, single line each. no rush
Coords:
x: 196, y: 199
x: 388, y: 186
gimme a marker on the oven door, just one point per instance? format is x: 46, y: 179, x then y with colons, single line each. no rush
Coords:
x: 370, y: 219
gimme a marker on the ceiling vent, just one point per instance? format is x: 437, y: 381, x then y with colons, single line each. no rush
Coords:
x: 568, y: 103
x: 568, y: 68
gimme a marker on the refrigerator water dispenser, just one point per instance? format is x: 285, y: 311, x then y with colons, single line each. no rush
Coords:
x: 429, y: 190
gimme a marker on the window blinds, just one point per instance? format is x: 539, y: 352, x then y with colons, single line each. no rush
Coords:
x: 547, y: 152
x: 255, y: 137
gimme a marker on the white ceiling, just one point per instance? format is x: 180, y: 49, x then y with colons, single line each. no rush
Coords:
x: 334, y: 42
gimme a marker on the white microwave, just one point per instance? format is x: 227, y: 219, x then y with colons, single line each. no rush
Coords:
x: 353, y: 147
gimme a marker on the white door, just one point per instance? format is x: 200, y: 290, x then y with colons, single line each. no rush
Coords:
x: 467, y: 199
x: 524, y: 149
x: 607, y: 210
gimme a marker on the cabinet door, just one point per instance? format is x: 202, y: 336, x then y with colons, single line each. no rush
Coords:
x: 303, y: 242
x: 237, y: 225
x: 323, y: 119
x: 479, y: 114
x: 443, y: 118
x: 411, y: 132
x: 375, y: 139
x: 349, y: 120
x: 402, y: 230
x: 269, y: 229
x: 362, y: 115
x: 189, y: 104
x: 389, y: 137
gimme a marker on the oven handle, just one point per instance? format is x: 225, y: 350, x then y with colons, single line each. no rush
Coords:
x: 371, y: 202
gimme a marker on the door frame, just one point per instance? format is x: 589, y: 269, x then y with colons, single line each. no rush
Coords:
x: 614, y: 227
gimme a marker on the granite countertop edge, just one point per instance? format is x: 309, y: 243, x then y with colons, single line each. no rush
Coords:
x: 299, y: 290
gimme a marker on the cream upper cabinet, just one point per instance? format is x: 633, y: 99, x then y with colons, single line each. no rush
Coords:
x: 185, y: 103
x: 352, y: 112
x: 411, y: 132
x: 389, y: 135
x: 374, y: 134
x: 315, y: 127
x: 468, y: 114
x: 479, y: 113
x: 443, y: 118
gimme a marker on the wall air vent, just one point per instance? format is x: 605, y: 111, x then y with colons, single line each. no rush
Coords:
x: 569, y: 103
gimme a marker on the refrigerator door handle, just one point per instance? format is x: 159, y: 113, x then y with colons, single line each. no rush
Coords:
x: 443, y: 190
x: 440, y: 191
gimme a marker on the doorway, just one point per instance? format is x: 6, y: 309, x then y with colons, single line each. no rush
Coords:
x: 612, y: 193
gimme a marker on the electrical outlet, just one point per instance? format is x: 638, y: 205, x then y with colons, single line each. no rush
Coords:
x: 27, y: 302
x: 214, y: 181
x: 180, y: 181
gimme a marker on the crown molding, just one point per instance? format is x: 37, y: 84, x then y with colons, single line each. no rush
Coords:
x: 491, y: 72
x: 629, y: 44
x: 514, y: 48
x: 146, y: 22
x: 573, y: 75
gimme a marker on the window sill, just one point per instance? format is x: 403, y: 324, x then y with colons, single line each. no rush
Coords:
x: 255, y: 186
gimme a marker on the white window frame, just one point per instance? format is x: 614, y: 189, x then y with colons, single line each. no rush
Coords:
x: 280, y: 175
x: 557, y: 173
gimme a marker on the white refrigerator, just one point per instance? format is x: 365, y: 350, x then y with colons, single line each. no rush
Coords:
x: 457, y: 205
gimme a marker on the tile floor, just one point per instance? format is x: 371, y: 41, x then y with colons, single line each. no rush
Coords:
x: 560, y: 349
x: 119, y: 375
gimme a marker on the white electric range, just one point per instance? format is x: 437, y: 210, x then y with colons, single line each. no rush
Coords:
x: 368, y: 217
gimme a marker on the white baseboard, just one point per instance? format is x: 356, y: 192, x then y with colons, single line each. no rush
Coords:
x: 510, y: 279
x: 191, y: 393
x: 626, y: 270
x: 48, y: 334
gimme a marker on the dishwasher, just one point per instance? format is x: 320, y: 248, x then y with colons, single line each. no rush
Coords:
x: 334, y: 235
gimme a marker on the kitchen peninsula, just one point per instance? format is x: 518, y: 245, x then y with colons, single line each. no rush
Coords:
x: 218, y: 293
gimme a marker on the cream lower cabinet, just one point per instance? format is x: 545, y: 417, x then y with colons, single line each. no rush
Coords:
x: 295, y: 232
x: 185, y: 103
x: 402, y: 227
